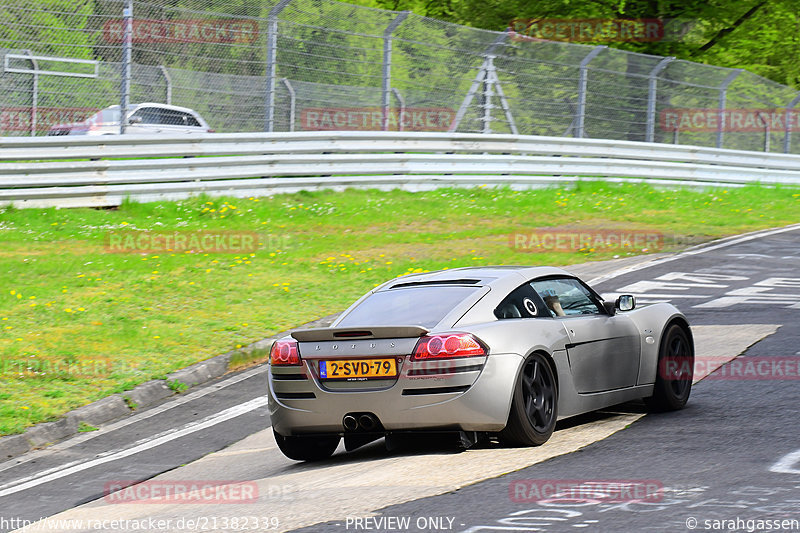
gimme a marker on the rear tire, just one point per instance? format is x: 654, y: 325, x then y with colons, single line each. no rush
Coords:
x: 674, y: 372
x: 534, y: 406
x: 311, y: 448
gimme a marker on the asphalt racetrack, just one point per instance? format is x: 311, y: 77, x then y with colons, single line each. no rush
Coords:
x: 729, y: 461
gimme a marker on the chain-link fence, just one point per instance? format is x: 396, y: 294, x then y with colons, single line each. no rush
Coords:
x: 292, y: 65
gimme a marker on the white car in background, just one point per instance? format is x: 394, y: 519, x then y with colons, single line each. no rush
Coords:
x: 142, y: 119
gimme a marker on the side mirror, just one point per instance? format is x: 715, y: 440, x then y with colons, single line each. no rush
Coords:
x: 625, y: 302
x: 135, y: 119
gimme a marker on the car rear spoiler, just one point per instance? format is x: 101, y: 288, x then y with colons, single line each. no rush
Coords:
x: 359, y: 333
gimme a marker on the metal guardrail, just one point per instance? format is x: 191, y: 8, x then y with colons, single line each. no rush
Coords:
x: 102, y: 171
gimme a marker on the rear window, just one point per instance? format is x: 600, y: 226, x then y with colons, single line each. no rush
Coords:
x: 413, y: 306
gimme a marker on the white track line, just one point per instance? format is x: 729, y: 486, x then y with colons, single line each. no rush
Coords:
x: 138, y: 417
x: 52, y: 474
x: 788, y: 464
x: 715, y: 245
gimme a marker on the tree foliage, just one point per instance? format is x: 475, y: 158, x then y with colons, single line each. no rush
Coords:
x: 759, y: 35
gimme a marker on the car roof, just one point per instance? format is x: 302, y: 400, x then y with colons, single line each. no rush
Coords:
x: 476, y: 276
x: 133, y: 107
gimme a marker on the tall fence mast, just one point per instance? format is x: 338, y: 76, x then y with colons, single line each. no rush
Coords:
x: 127, y: 43
x: 386, y: 93
x: 272, y: 57
x: 583, y: 85
x: 722, y: 103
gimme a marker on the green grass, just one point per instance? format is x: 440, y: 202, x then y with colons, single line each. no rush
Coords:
x: 78, y: 323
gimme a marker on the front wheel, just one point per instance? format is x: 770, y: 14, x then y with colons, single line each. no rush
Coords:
x: 674, y: 373
x: 534, y: 407
x: 307, y: 448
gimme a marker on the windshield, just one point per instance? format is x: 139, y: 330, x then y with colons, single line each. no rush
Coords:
x: 418, y: 306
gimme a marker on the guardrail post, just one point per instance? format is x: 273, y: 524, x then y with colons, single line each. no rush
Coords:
x: 292, y: 102
x: 272, y: 55
x: 787, y: 139
x: 168, y: 80
x: 125, y: 84
x: 386, y: 95
x: 583, y: 82
x: 651, y: 97
x: 723, y: 94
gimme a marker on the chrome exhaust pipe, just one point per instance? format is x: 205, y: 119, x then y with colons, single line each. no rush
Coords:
x: 350, y: 423
x: 367, y: 422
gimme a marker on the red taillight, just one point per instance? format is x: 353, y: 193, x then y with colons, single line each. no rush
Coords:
x: 284, y: 353
x: 209, y: 130
x: 448, y: 346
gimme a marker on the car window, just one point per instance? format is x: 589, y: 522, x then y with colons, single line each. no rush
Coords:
x: 189, y: 120
x: 423, y: 306
x: 566, y: 297
x: 150, y: 115
x: 522, y: 302
x: 171, y: 118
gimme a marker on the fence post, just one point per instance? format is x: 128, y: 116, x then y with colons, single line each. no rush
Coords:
x: 488, y: 92
x: 386, y: 95
x: 402, y: 103
x: 272, y: 54
x: 292, y: 102
x: 583, y: 82
x: 125, y: 85
x: 168, y: 80
x: 787, y: 139
x: 723, y: 94
x: 765, y: 122
x: 651, y: 97
x: 34, y: 93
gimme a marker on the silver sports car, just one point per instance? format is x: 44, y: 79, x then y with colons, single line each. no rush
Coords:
x: 497, y: 351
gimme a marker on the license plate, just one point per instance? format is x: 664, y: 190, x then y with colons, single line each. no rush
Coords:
x: 358, y: 369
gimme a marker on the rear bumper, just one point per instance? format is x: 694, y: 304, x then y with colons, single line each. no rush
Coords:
x: 471, y: 401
